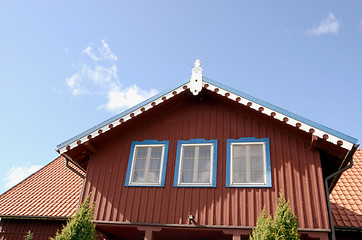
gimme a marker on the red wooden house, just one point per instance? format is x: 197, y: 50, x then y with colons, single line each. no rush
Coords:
x: 199, y: 161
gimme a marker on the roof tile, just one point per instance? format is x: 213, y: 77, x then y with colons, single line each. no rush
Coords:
x: 53, y: 191
x: 346, y: 197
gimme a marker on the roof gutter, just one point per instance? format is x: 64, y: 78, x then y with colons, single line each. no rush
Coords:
x: 347, y: 159
x: 69, y: 159
x: 349, y: 229
x: 33, y: 217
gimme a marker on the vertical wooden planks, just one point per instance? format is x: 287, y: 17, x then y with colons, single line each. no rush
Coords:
x: 294, y: 171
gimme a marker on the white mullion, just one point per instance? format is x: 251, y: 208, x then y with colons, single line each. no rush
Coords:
x: 211, y: 163
x: 264, y: 163
x: 148, y: 160
x: 181, y: 168
x: 231, y: 163
x: 196, y: 164
x: 247, y: 164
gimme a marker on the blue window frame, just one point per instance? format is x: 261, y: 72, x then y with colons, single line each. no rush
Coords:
x: 147, y: 164
x: 248, y: 163
x: 196, y: 163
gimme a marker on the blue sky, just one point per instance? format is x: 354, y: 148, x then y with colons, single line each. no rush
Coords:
x: 65, y: 66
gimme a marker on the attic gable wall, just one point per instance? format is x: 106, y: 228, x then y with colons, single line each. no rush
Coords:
x: 296, y: 170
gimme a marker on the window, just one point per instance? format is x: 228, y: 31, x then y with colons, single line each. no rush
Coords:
x: 196, y: 163
x: 248, y: 163
x: 147, y: 163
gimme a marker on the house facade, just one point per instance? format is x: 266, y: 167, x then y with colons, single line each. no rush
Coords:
x: 201, y: 161
x: 210, y: 153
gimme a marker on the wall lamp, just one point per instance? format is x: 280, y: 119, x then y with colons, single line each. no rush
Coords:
x: 191, y: 218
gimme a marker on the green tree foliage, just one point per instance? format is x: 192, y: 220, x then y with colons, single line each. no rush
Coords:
x: 283, y: 225
x: 79, y: 227
x: 29, y: 235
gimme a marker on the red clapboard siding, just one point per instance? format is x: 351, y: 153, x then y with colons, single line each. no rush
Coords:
x: 16, y: 229
x: 296, y: 170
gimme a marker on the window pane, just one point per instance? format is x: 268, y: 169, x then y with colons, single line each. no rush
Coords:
x: 256, y: 151
x: 239, y: 177
x: 204, y: 151
x: 187, y: 176
x: 155, y: 164
x: 256, y: 157
x: 239, y: 151
x: 257, y: 176
x: 239, y: 163
x: 138, y: 176
x: 140, y: 164
x: 141, y: 152
x: 156, y: 152
x: 203, y: 176
x: 204, y: 164
x: 188, y: 164
x: 188, y: 152
x: 239, y: 157
x: 153, y: 177
x: 257, y: 164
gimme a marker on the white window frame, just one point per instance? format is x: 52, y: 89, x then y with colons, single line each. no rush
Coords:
x: 179, y: 162
x: 131, y: 163
x: 247, y: 165
x: 266, y: 161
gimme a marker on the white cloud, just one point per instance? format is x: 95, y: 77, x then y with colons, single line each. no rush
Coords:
x: 104, y: 52
x: 327, y: 25
x: 90, y: 53
x: 126, y: 98
x: 99, y: 76
x: 102, y: 76
x: 17, y: 174
x: 74, y: 83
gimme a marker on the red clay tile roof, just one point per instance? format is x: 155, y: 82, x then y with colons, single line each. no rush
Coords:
x: 53, y: 191
x: 346, y: 197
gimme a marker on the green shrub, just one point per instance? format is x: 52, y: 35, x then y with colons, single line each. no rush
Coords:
x: 283, y: 225
x: 29, y: 235
x: 79, y: 227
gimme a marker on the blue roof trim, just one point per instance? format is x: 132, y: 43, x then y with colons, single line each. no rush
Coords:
x: 128, y: 111
x: 220, y: 85
x: 283, y: 111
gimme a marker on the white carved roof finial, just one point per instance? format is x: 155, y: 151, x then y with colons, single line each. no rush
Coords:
x: 196, y: 78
